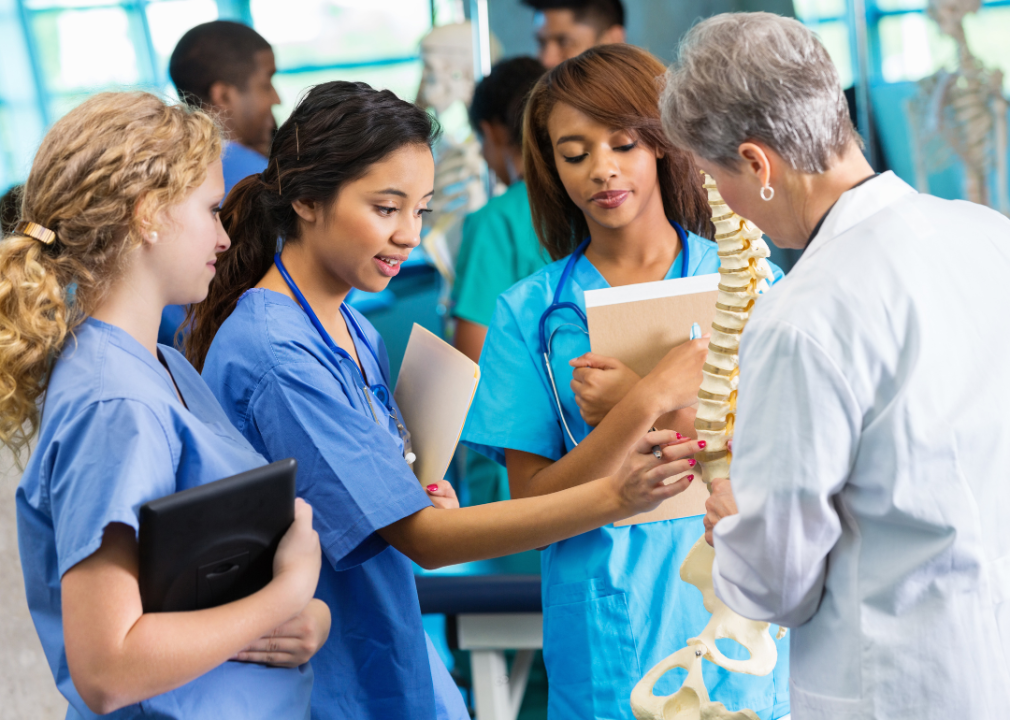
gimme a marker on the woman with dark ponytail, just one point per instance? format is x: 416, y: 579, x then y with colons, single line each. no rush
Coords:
x: 303, y: 375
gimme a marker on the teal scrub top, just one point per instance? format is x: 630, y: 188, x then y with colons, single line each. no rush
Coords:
x: 614, y: 603
x: 499, y: 249
x: 291, y: 396
x: 113, y: 437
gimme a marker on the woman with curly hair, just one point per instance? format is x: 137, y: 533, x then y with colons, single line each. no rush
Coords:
x: 119, y: 219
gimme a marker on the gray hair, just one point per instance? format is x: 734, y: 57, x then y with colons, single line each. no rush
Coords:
x: 756, y: 76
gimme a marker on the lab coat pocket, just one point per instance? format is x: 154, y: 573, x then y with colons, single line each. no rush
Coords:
x: 588, y: 639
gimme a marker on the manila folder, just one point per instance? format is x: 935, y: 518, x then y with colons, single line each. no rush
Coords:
x: 638, y: 324
x: 434, y: 391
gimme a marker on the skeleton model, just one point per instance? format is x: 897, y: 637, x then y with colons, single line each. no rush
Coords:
x: 447, y: 87
x: 744, y: 273
x: 965, y: 111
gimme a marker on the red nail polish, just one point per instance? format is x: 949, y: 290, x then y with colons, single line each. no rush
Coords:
x: 702, y: 443
x: 690, y: 478
x: 692, y: 463
x: 679, y: 436
x: 432, y: 488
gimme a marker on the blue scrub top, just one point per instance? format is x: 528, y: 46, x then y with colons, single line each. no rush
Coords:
x: 614, y: 603
x: 240, y: 162
x: 113, y: 437
x: 291, y: 396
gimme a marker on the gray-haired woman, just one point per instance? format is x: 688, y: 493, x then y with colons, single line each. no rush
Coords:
x: 872, y: 455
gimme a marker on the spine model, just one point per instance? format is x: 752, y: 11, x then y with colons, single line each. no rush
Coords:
x: 744, y: 272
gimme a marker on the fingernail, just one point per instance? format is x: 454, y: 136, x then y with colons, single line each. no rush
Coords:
x: 432, y: 488
x: 679, y: 436
x: 690, y: 478
x: 692, y: 463
x: 702, y: 443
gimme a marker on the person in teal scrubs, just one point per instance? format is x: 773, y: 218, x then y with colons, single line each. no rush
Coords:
x: 614, y: 203
x: 121, y: 205
x: 499, y: 246
x: 303, y: 375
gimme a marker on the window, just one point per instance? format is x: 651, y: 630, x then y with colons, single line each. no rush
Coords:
x: 905, y: 44
x: 827, y: 19
x: 58, y: 52
x: 316, y: 41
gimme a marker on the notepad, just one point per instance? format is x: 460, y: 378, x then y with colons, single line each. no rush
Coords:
x: 434, y: 391
x: 638, y: 324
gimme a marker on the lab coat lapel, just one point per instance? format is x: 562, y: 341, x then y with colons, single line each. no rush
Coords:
x: 855, y: 206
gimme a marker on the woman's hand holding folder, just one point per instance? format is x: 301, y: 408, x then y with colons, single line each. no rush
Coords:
x: 299, y: 555
x: 119, y: 655
x: 600, y: 382
x: 293, y: 643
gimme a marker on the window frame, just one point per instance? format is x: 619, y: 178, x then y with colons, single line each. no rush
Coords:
x: 151, y: 76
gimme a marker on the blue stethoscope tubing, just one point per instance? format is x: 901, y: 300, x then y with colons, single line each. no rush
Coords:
x: 380, y: 391
x: 557, y: 304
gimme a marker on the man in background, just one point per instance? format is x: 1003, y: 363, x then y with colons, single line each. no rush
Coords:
x: 227, y: 68
x: 566, y: 28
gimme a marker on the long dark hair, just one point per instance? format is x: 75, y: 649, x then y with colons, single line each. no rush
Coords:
x: 618, y: 86
x: 338, y: 130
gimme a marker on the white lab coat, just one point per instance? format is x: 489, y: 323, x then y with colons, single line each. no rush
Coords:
x: 872, y: 462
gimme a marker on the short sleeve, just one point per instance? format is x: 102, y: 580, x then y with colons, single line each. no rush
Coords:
x: 349, y: 468
x: 109, y: 460
x: 797, y: 429
x: 513, y: 407
x: 485, y: 267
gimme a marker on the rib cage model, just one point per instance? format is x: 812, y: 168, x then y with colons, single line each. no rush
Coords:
x: 744, y: 273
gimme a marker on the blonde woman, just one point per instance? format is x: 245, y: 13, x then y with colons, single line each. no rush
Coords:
x: 121, y: 219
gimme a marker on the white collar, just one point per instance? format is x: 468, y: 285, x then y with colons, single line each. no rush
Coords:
x: 855, y: 206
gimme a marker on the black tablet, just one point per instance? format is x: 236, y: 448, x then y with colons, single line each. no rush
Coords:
x: 215, y: 543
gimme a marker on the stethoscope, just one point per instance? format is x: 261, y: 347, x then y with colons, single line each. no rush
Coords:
x: 557, y: 304
x: 379, y: 391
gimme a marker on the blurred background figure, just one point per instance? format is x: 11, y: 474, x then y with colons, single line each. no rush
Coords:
x: 460, y: 184
x: 499, y: 246
x: 566, y: 28
x: 228, y: 68
x: 962, y: 113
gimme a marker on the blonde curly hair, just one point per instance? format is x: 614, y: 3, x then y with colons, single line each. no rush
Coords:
x: 102, y: 178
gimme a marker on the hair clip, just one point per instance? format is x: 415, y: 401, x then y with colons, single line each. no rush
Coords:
x: 34, y: 230
x: 298, y: 147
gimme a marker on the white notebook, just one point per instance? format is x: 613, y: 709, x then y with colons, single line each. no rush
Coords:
x: 638, y: 324
x: 434, y: 390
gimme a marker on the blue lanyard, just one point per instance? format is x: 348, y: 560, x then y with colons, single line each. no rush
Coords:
x: 556, y: 303
x: 339, y: 351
